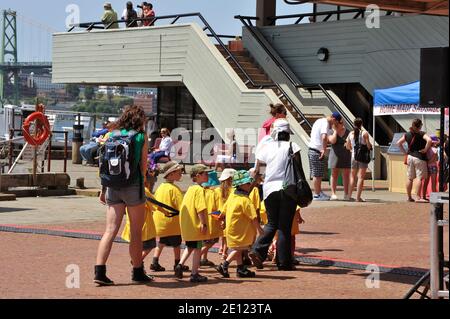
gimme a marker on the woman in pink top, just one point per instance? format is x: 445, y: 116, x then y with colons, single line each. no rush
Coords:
x: 277, y: 111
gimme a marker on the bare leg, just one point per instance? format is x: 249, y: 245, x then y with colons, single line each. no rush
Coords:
x: 346, y: 180
x: 177, y: 252
x: 205, y: 250
x: 409, y: 186
x: 114, y: 216
x: 361, y: 175
x: 433, y: 183
x: 196, y: 260
x: 352, y: 182
x: 317, y: 185
x: 158, y: 250
x: 334, y: 180
x: 187, y: 252
x: 136, y: 215
x: 145, y: 253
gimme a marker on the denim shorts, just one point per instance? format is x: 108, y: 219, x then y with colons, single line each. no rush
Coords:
x: 132, y: 195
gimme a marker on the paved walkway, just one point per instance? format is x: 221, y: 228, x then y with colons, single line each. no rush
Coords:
x: 385, y: 230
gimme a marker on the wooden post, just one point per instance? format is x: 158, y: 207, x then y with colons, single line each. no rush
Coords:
x: 11, y: 147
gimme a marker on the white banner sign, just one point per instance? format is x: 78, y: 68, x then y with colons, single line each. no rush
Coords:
x: 379, y: 110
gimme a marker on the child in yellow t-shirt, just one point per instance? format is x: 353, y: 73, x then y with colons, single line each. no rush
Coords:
x: 224, y: 192
x: 148, y: 229
x: 214, y: 229
x: 241, y: 224
x: 194, y: 222
x: 168, y: 228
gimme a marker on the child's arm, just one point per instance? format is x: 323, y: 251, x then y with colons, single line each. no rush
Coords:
x: 257, y: 226
x: 203, y: 221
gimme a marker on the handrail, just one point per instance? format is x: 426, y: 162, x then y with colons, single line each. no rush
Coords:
x: 246, y: 21
x: 336, y: 105
x: 328, y: 14
x: 304, y: 119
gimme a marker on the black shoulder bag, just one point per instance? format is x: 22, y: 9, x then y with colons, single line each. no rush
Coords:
x: 361, y: 151
x: 295, y: 185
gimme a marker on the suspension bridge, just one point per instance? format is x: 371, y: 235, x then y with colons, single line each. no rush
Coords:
x: 26, y: 45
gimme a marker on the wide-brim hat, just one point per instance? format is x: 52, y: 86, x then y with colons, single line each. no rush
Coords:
x: 198, y: 169
x: 241, y: 178
x: 212, y: 180
x: 226, y: 174
x: 171, y: 167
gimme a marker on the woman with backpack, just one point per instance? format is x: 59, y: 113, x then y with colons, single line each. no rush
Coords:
x: 123, y: 166
x: 359, y: 136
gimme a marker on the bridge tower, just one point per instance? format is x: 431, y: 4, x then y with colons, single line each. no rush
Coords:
x: 9, y: 55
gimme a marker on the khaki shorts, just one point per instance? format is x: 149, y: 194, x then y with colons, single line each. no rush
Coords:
x: 417, y: 168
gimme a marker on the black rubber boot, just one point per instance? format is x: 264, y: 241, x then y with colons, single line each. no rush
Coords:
x: 139, y: 276
x: 100, y: 276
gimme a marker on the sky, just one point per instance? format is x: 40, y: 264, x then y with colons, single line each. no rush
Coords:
x: 38, y: 19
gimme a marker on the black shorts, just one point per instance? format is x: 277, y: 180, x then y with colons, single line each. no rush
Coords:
x: 210, y: 241
x: 194, y: 244
x: 171, y: 241
x: 149, y: 244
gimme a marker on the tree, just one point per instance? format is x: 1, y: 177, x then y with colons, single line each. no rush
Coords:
x: 89, y: 92
x: 73, y: 91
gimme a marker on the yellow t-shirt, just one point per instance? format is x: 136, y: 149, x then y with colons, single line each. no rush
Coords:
x: 240, y: 213
x: 255, y: 199
x: 212, y: 203
x: 148, y: 230
x: 263, y: 214
x: 221, y: 200
x: 171, y: 195
x: 194, y: 202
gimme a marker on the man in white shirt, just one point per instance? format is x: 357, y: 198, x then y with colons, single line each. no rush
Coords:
x: 316, y: 153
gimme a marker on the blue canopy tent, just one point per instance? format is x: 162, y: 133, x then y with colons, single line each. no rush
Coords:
x: 391, y: 99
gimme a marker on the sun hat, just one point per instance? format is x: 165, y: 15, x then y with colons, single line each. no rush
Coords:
x: 171, y: 167
x: 107, y: 5
x: 212, y: 180
x: 198, y: 169
x: 241, y: 178
x: 280, y: 125
x: 226, y: 174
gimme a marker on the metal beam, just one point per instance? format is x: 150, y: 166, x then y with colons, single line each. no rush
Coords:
x: 264, y: 10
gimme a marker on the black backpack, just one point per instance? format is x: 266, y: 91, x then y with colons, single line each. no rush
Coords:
x: 116, y: 160
x: 361, y: 151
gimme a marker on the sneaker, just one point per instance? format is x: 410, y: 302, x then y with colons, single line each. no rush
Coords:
x: 184, y: 267
x: 245, y: 273
x: 157, y: 267
x: 207, y: 263
x: 256, y: 259
x: 140, y: 276
x: 198, y: 278
x: 321, y: 197
x: 223, y: 271
x: 334, y: 197
x: 246, y: 261
x: 178, y: 271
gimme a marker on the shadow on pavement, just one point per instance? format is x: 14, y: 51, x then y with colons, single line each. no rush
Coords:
x: 11, y: 210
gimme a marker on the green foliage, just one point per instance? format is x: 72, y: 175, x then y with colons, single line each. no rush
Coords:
x: 73, y: 91
x: 89, y: 93
x: 105, y: 105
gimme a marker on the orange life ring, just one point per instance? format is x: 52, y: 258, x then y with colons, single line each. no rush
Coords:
x: 42, y: 129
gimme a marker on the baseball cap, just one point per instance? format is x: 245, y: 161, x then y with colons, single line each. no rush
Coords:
x: 337, y: 116
x: 226, y: 174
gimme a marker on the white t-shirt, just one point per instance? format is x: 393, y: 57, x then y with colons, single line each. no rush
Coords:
x: 275, y: 155
x: 166, y: 145
x: 320, y: 127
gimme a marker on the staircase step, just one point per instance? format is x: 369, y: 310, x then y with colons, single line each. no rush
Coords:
x: 249, y: 70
